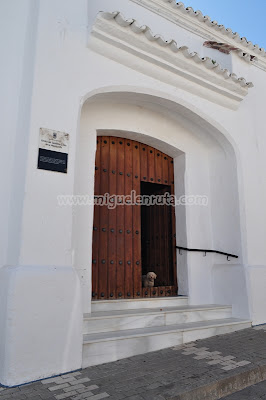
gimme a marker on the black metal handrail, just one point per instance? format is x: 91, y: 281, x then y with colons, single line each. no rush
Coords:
x: 207, y: 251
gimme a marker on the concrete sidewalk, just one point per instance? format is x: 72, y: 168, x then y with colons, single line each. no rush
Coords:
x: 206, y: 369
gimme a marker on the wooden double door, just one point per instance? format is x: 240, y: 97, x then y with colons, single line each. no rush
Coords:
x: 130, y: 239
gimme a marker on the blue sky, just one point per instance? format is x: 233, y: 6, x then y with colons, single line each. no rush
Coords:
x: 246, y: 17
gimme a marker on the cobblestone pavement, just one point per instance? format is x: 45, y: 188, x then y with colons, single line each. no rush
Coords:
x: 254, y: 392
x: 160, y: 375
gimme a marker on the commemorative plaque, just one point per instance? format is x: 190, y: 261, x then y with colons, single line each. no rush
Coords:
x: 53, y: 150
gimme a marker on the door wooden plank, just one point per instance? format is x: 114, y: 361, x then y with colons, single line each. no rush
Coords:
x: 154, y: 292
x: 103, y: 229
x: 146, y: 292
x: 157, y: 243
x: 96, y: 224
x: 151, y: 164
x: 144, y: 178
x: 151, y: 238
x: 165, y: 169
x: 163, y: 247
x: 112, y: 232
x: 129, y: 289
x: 137, y: 265
x: 143, y: 163
x: 152, y: 211
x: 167, y: 235
x: 145, y: 241
x: 171, y: 171
x: 168, y: 291
x: 158, y: 167
x: 174, y: 290
x: 161, y: 244
x: 120, y: 220
x: 160, y: 250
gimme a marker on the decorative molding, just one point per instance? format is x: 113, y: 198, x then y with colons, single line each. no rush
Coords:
x: 163, y: 60
x: 203, y: 26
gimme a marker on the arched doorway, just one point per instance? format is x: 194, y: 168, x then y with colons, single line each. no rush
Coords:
x: 130, y: 240
x: 205, y: 163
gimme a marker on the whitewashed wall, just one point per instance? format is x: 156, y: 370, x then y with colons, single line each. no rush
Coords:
x: 49, y: 74
x: 17, y: 42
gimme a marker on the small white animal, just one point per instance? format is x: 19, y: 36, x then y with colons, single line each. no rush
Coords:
x: 148, y: 280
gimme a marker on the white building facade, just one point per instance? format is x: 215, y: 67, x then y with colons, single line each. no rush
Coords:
x: 138, y: 70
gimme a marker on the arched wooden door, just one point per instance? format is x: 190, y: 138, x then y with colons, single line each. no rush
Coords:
x: 131, y: 240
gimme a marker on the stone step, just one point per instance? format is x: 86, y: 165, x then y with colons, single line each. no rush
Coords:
x: 129, y: 304
x: 109, y: 321
x: 99, y: 348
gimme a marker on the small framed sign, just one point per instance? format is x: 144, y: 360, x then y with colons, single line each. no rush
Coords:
x: 53, y: 150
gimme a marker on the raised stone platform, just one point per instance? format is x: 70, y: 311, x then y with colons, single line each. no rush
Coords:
x: 117, y: 329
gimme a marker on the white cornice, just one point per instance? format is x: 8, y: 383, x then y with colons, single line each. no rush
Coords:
x: 203, y: 26
x: 162, y: 59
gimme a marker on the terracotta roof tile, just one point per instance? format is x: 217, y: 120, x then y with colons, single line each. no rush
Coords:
x: 172, y: 46
x: 214, y: 24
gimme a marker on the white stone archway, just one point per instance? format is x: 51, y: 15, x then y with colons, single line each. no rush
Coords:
x: 205, y: 164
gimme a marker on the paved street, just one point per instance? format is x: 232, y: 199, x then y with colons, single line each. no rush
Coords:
x: 210, y: 369
x: 256, y: 392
